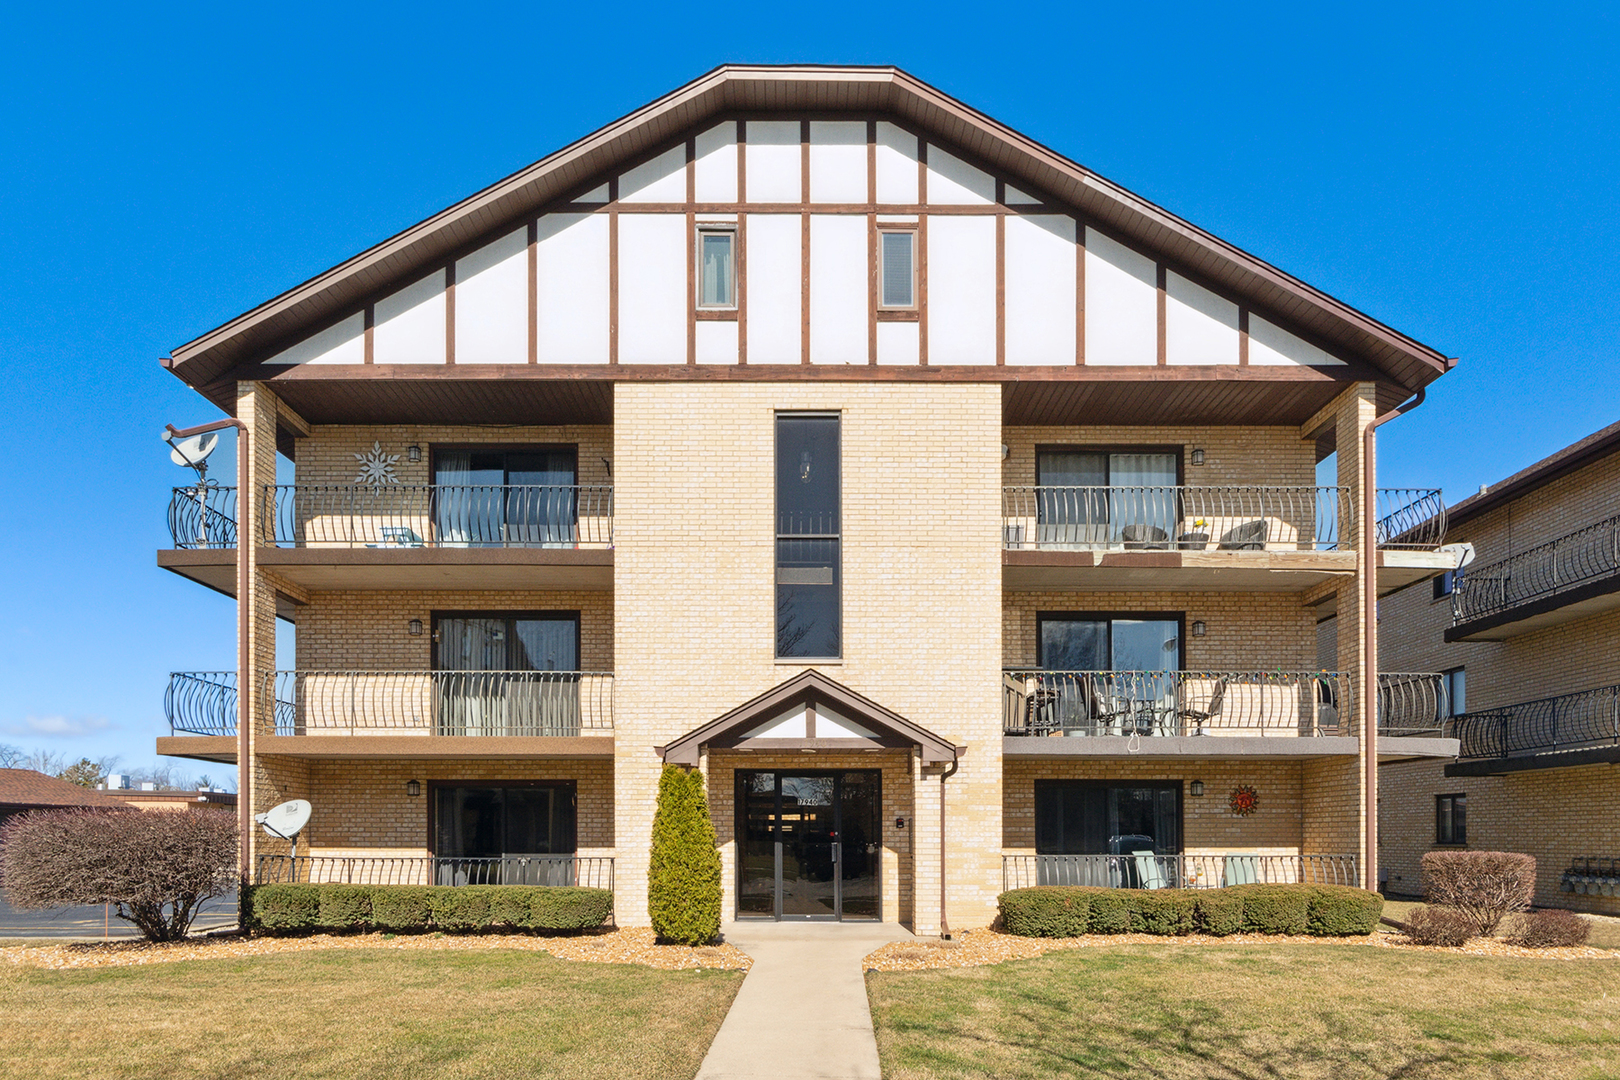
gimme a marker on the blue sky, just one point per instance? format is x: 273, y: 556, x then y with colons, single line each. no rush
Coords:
x: 1451, y: 170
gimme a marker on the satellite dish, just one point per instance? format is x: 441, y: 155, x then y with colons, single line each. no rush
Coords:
x: 286, y: 821
x: 192, y: 452
x: 1463, y: 553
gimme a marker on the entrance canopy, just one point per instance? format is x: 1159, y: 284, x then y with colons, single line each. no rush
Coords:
x: 810, y: 712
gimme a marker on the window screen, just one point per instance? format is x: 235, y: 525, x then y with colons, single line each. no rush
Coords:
x: 898, y: 278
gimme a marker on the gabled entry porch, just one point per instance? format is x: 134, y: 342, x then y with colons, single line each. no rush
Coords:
x: 813, y: 790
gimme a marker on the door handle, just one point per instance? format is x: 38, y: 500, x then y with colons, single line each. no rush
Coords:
x: 837, y: 851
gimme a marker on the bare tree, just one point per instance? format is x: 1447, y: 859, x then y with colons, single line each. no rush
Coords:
x: 155, y: 869
x: 12, y: 757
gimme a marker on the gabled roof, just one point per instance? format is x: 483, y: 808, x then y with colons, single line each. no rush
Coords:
x: 755, y: 90
x: 25, y: 787
x: 810, y: 686
x: 1577, y: 454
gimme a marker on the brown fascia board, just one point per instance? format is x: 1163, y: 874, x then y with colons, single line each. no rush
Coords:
x: 735, y: 88
x: 1574, y: 456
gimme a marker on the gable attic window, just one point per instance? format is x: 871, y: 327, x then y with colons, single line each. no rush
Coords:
x: 717, y: 262
x: 898, y: 272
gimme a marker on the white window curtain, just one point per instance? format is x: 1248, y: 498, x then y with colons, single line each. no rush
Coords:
x: 454, y: 501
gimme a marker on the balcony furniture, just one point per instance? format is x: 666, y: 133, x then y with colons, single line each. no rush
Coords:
x: 1200, y: 705
x: 1250, y: 536
x: 1139, y: 537
x: 1193, y: 541
x: 1148, y: 871
x: 398, y: 536
x: 1241, y: 870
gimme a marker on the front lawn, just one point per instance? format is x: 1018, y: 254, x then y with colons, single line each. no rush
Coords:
x: 361, y: 1013
x: 1171, y: 1011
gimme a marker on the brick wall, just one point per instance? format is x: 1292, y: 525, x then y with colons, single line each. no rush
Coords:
x: 1264, y: 456
x: 327, y: 456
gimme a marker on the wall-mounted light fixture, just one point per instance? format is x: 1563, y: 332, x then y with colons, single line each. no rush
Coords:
x: 1198, y: 628
x: 1197, y: 457
x: 1196, y: 789
x: 899, y: 822
x: 413, y: 453
x: 1004, y: 451
x: 416, y: 627
x: 413, y: 788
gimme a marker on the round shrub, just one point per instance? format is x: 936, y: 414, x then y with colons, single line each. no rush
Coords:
x: 1045, y: 911
x: 1274, y: 909
x: 1430, y: 925
x: 343, y: 906
x: 1485, y: 886
x: 1110, y: 912
x: 1218, y: 913
x: 460, y: 907
x: 1162, y: 911
x: 1342, y: 911
x: 399, y: 907
x: 1550, y: 928
x: 683, y: 873
x: 282, y: 907
x: 568, y: 908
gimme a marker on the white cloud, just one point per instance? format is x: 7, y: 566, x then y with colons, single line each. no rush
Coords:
x: 58, y: 727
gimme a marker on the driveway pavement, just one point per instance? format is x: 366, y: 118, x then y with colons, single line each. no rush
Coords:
x: 88, y: 922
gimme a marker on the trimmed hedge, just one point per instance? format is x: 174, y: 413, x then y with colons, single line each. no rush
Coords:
x: 1072, y: 910
x: 421, y: 907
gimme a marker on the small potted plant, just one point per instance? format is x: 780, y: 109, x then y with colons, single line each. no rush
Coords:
x: 1198, y: 539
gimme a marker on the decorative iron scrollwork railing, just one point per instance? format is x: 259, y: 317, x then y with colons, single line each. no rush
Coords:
x: 437, y: 515
x: 510, y: 703
x: 203, y: 516
x: 589, y: 871
x: 1158, y: 703
x: 1583, y: 556
x: 1582, y: 720
x: 201, y: 702
x: 1410, y: 518
x: 1145, y: 870
x: 1233, y: 518
x: 1412, y: 703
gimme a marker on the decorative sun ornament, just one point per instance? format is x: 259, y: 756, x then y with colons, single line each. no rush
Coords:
x: 376, y: 467
x: 1244, y: 800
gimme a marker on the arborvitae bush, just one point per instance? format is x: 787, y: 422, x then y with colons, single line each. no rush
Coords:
x: 1430, y: 925
x: 154, y: 869
x: 1483, y: 885
x: 683, y: 874
x: 1551, y: 928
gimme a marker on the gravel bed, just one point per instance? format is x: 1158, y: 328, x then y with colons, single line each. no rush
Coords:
x: 974, y: 948
x: 635, y: 945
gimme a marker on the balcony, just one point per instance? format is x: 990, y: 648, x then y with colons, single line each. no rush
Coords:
x: 1235, y: 538
x: 1150, y: 871
x: 1571, y: 729
x: 594, y: 872
x: 402, y: 536
x: 1564, y: 579
x: 1278, y: 714
x: 397, y: 713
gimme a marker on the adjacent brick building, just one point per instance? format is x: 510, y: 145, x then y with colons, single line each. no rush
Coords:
x: 954, y: 509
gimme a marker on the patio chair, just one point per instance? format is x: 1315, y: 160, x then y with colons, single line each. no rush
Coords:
x: 1241, y: 870
x: 1148, y: 871
x: 399, y: 536
x: 1250, y: 536
x: 1210, y: 708
x: 1144, y: 536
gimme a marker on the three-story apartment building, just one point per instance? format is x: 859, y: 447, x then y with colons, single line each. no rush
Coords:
x: 1528, y: 638
x: 954, y: 509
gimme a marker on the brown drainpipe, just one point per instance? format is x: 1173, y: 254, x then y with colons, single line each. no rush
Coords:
x: 944, y: 921
x: 244, y: 707
x: 1369, y: 622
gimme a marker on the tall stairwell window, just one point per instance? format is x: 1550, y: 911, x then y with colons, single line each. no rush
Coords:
x: 809, y: 623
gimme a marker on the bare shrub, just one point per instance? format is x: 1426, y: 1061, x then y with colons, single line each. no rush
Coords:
x: 1552, y: 928
x: 154, y: 868
x: 1483, y: 885
x: 1439, y: 926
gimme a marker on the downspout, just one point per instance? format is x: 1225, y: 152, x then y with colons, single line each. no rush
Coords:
x: 244, y: 694
x: 1369, y: 624
x: 944, y: 920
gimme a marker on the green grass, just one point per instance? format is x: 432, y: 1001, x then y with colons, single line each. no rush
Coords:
x: 361, y: 1013
x: 1311, y: 1012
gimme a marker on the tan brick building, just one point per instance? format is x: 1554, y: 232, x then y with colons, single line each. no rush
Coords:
x: 952, y: 508
x: 1529, y: 638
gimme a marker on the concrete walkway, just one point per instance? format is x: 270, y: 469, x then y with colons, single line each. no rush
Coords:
x: 802, y: 1010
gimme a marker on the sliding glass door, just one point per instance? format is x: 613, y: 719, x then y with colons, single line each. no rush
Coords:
x: 506, y: 498
x: 506, y: 673
x: 1089, y: 498
x: 504, y: 833
x: 1124, y: 694
x: 1094, y: 818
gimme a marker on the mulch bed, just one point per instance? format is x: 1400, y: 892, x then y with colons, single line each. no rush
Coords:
x: 633, y: 945
x: 974, y: 948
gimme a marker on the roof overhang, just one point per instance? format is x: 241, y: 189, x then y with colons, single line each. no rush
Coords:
x: 889, y: 729
x: 210, y: 362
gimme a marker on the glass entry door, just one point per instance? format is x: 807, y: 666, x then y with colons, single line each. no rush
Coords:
x: 808, y: 845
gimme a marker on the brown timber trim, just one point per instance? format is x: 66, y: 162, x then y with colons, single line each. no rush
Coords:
x: 613, y: 273
x: 804, y: 241
x: 450, y: 313
x: 1001, y: 274
x: 534, y: 291
x: 897, y: 315
x: 1162, y: 274
x: 1243, y: 336
x: 369, y: 349
x: 920, y: 256
x: 872, y: 284
x: 1079, y: 292
x: 742, y: 246
x: 692, y: 251
x: 712, y: 315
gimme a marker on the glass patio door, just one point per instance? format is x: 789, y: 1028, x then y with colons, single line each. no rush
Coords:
x: 506, y: 498
x: 504, y: 834
x: 503, y: 674
x: 808, y: 845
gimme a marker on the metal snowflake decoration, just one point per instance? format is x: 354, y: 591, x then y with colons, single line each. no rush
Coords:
x: 376, y: 467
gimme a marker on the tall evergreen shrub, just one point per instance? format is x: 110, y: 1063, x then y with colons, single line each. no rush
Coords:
x: 683, y: 877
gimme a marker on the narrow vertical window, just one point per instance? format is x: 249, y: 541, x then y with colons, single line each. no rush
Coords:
x: 1456, y: 683
x: 717, y: 279
x: 899, y: 271
x: 809, y: 622
x: 1451, y: 819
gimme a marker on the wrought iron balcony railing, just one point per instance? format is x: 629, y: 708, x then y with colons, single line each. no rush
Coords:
x: 1410, y: 518
x: 1157, y: 703
x: 1412, y: 703
x: 436, y: 515
x: 595, y: 872
x: 1583, y: 556
x: 1582, y: 720
x: 464, y: 703
x: 1150, y: 871
x: 203, y: 516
